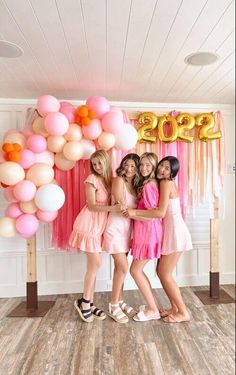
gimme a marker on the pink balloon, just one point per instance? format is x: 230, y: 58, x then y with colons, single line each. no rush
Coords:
x: 24, y: 190
x: 8, y: 194
x: 46, y: 216
x: 70, y: 114
x: 13, y: 210
x: 67, y: 105
x: 99, y: 104
x: 56, y: 123
x: 112, y: 122
x: 27, y: 158
x: 36, y: 143
x: 93, y: 130
x: 10, y: 131
x: 116, y: 110
x: 47, y: 104
x: 27, y: 225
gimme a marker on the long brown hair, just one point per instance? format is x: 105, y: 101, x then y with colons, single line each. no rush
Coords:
x: 103, y: 157
x: 154, y: 161
x: 121, y: 169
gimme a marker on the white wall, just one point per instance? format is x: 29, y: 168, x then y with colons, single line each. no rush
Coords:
x: 60, y: 272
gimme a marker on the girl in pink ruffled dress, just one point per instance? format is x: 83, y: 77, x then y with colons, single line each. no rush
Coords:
x: 147, y: 236
x: 176, y: 238
x: 116, y: 237
x: 89, y: 227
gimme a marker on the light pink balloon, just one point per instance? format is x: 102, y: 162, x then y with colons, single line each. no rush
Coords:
x: 116, y: 110
x: 56, y: 123
x: 36, y: 143
x: 93, y: 130
x: 27, y: 225
x: 69, y: 111
x: 8, y: 194
x: 112, y: 122
x: 47, y: 104
x: 27, y: 158
x: 46, y: 216
x: 13, y: 210
x: 99, y: 104
x: 10, y: 131
x: 24, y: 191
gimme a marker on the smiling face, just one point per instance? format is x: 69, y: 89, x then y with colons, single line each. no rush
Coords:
x: 164, y: 170
x: 97, y: 166
x: 130, y: 168
x: 146, y: 167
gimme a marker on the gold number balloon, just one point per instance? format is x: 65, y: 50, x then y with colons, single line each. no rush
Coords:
x: 167, y: 120
x: 206, y: 121
x: 148, y: 120
x: 185, y: 122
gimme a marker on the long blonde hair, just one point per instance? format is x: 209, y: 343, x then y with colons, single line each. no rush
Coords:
x: 103, y: 157
x: 154, y: 161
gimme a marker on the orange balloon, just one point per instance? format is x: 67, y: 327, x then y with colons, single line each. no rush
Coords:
x: 7, y: 147
x: 13, y: 156
x: 17, y: 147
x: 92, y: 114
x: 77, y: 119
x: 85, y: 121
x: 82, y: 111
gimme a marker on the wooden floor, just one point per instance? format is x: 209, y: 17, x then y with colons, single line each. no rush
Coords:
x: 61, y: 344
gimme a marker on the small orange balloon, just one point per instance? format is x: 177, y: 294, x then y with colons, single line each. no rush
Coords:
x: 17, y: 147
x: 85, y: 121
x: 83, y: 111
x: 77, y: 119
x: 13, y: 156
x: 92, y: 114
x: 7, y: 147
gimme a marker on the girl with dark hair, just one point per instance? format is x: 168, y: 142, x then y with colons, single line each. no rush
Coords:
x: 176, y: 238
x: 116, y: 237
x: 88, y: 229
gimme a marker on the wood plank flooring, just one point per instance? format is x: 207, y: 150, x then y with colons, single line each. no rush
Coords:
x: 61, y: 344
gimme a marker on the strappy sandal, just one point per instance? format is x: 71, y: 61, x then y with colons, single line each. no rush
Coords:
x: 117, y: 314
x: 85, y: 314
x: 128, y: 310
x: 97, y: 313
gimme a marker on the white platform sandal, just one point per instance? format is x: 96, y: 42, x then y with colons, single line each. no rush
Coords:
x: 117, y: 314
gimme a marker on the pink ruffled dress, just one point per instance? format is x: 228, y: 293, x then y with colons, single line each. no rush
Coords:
x: 89, y: 225
x: 147, y: 235
x: 176, y: 236
x: 116, y: 238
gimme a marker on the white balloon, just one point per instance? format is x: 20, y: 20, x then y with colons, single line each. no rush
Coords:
x: 46, y: 157
x: 7, y: 227
x: 126, y: 138
x: 49, y: 197
x: 88, y: 148
x: 11, y: 173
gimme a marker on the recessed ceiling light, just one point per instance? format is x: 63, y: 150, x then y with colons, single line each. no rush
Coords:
x: 9, y: 49
x: 201, y: 58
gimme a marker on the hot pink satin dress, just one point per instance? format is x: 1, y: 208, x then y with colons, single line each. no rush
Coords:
x: 147, y: 235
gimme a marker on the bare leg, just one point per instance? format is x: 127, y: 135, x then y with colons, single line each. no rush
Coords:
x: 165, y: 270
x: 174, y: 308
x: 120, y: 271
x: 94, y: 262
x: 144, y: 285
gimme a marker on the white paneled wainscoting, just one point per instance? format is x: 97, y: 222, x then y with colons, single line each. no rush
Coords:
x: 59, y: 272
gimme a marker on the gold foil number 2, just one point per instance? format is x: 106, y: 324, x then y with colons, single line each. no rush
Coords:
x: 148, y: 120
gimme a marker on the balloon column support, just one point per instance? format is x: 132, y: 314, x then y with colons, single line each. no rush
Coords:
x: 215, y: 295
x: 31, y: 308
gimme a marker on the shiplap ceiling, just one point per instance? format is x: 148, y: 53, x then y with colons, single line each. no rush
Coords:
x: 125, y: 50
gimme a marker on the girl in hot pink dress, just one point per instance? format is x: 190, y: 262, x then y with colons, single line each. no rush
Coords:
x: 89, y: 227
x: 147, y: 236
x: 116, y: 237
x: 176, y: 237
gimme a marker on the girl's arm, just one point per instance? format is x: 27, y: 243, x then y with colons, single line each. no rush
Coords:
x: 118, y: 191
x: 165, y: 188
x: 90, y: 193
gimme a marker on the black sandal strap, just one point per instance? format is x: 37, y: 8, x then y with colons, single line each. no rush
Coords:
x: 98, y: 312
x: 84, y: 300
x: 85, y: 312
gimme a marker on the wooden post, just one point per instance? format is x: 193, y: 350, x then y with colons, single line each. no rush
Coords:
x: 214, y: 252
x: 215, y: 295
x: 31, y: 284
x: 32, y: 307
